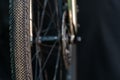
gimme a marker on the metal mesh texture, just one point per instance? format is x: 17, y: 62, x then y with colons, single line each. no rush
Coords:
x: 20, y: 39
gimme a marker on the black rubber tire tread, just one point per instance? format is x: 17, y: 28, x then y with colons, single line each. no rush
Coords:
x: 19, y: 21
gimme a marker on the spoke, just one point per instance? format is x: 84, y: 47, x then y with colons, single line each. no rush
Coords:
x: 52, y: 21
x: 42, y: 18
x: 36, y: 67
x: 49, y: 55
x: 57, y: 64
x: 39, y: 61
x: 47, y: 59
x: 40, y: 72
x: 48, y: 19
x: 45, y: 45
x: 41, y: 6
x: 50, y: 9
x: 37, y: 38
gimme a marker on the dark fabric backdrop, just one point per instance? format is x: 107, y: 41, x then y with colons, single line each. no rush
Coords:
x: 99, y: 52
x: 4, y: 41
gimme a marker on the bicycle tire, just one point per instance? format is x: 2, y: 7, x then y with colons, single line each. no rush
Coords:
x: 20, y: 39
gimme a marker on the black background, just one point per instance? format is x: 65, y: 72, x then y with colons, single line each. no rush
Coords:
x: 4, y: 41
x: 99, y: 51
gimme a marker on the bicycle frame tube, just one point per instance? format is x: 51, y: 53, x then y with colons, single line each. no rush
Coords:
x: 72, y: 11
x: 72, y: 15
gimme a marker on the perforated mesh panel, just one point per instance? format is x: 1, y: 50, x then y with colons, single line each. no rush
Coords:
x: 20, y: 40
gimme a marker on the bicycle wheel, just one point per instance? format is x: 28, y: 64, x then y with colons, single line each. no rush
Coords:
x: 50, y: 48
